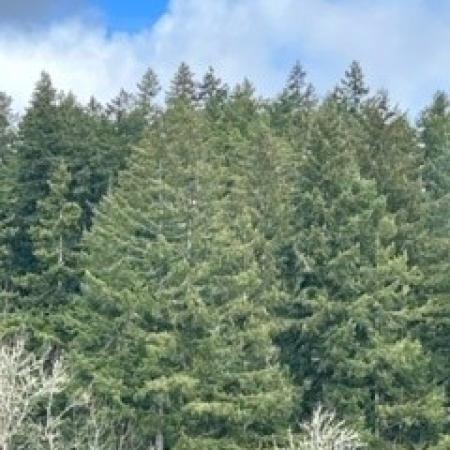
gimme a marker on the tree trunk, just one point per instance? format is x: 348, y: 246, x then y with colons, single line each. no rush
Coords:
x: 159, y: 441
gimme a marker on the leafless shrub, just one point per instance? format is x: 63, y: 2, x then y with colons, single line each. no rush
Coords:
x: 324, y: 432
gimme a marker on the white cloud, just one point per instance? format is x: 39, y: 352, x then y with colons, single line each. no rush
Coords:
x: 402, y: 46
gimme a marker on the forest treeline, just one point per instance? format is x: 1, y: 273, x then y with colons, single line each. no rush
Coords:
x: 214, y: 268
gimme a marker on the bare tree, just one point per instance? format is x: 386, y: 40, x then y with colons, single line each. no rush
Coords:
x: 28, y: 383
x: 24, y: 380
x: 324, y: 432
x: 30, y: 416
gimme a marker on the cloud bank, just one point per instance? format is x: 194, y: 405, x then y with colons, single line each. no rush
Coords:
x: 402, y: 46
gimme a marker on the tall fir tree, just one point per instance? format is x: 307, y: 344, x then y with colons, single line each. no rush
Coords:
x: 148, y: 89
x: 8, y: 167
x: 290, y: 111
x: 243, y: 397
x: 432, y: 317
x: 352, y: 90
x: 39, y: 143
x: 183, y: 87
x: 350, y: 295
x: 55, y: 238
x: 212, y: 94
x: 136, y: 270
x: 154, y: 286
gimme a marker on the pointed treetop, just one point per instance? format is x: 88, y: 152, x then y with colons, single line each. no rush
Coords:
x: 297, y: 86
x: 244, y: 90
x: 440, y: 106
x: 182, y: 87
x: 298, y: 93
x: 148, y: 88
x: 352, y: 88
x: 120, y: 105
x: 211, y: 87
x: 5, y: 112
x: 6, y: 132
x: 44, y: 92
x: 94, y: 107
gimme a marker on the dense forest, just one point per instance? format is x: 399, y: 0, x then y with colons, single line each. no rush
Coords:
x: 205, y: 272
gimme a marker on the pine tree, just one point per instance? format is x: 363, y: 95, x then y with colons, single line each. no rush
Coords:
x: 433, y: 254
x: 8, y: 161
x: 135, y: 286
x: 212, y: 94
x: 39, y: 142
x: 155, y: 288
x: 6, y: 132
x: 148, y: 89
x: 391, y: 156
x: 182, y: 88
x: 242, y: 396
x: 110, y: 155
x: 350, y: 293
x: 86, y: 154
x: 290, y: 110
x: 352, y: 90
x: 55, y: 238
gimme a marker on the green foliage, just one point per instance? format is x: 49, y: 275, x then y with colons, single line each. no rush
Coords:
x: 350, y: 293
x: 55, y: 238
x: 243, y: 260
x: 182, y: 88
x: 289, y: 113
x: 432, y: 318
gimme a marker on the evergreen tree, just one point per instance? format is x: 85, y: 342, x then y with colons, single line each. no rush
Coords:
x: 6, y: 132
x: 352, y: 90
x: 433, y: 254
x: 392, y: 157
x: 155, y: 288
x: 242, y: 396
x: 290, y: 110
x: 55, y: 239
x: 182, y: 88
x: 135, y: 284
x: 148, y: 89
x: 110, y: 155
x: 350, y: 293
x: 39, y: 142
x: 212, y: 93
x: 8, y: 167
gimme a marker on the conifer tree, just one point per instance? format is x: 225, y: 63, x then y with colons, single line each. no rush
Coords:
x: 391, y: 156
x: 128, y: 122
x: 212, y: 94
x: 182, y: 87
x: 352, y: 90
x: 350, y: 293
x: 55, y: 238
x: 290, y: 110
x: 433, y: 253
x: 148, y: 89
x: 155, y: 288
x: 243, y: 397
x: 39, y: 142
x: 136, y: 284
x: 8, y: 167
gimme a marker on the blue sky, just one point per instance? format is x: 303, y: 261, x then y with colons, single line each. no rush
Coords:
x: 95, y: 47
x: 130, y: 15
